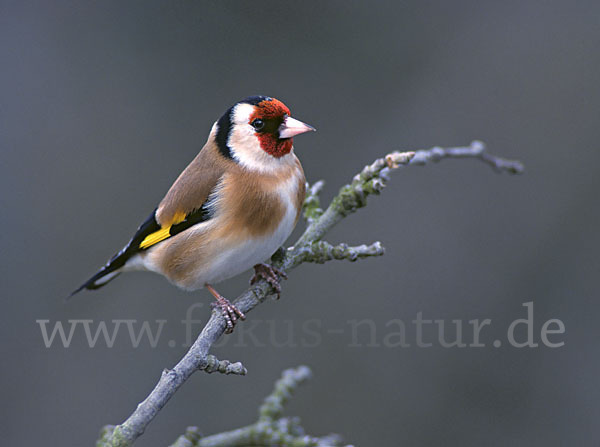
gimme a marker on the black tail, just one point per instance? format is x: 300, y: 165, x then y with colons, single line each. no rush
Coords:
x: 112, y: 267
x: 106, y: 274
x: 103, y: 277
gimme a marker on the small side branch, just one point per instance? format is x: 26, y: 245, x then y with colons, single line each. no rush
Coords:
x: 312, y: 203
x: 213, y: 364
x: 291, y: 379
x: 475, y: 150
x: 320, y: 252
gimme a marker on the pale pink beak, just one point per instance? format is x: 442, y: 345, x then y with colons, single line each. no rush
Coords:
x: 292, y: 127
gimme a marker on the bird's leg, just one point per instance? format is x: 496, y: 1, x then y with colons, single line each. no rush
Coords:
x: 269, y: 274
x: 229, y: 311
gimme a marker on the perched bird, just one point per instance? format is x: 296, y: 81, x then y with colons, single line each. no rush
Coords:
x: 232, y: 207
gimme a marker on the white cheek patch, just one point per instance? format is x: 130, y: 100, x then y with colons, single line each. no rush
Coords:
x: 242, y: 113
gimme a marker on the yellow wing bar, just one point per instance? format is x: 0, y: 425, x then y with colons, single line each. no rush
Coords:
x: 163, y: 233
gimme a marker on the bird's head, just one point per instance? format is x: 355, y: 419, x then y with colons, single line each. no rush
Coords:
x: 258, y: 132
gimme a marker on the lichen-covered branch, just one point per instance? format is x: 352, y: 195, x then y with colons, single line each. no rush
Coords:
x: 312, y: 202
x: 213, y: 365
x: 308, y: 248
x: 320, y: 252
x: 271, y: 428
x: 272, y: 407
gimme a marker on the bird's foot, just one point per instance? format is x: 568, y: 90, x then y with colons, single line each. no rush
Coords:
x: 269, y: 274
x: 228, y: 310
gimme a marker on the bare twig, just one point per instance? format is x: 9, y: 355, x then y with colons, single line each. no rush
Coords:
x: 475, y: 150
x: 308, y: 248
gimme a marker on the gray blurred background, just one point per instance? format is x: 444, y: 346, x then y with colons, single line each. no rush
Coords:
x: 104, y: 103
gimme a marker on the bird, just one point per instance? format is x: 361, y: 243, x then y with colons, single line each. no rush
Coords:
x: 229, y: 210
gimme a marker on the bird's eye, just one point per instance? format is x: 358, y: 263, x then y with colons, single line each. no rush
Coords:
x: 258, y: 124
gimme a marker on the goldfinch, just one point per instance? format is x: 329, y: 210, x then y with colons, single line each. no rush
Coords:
x: 231, y: 208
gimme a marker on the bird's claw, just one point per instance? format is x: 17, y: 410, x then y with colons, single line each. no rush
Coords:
x: 230, y: 312
x: 269, y: 274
